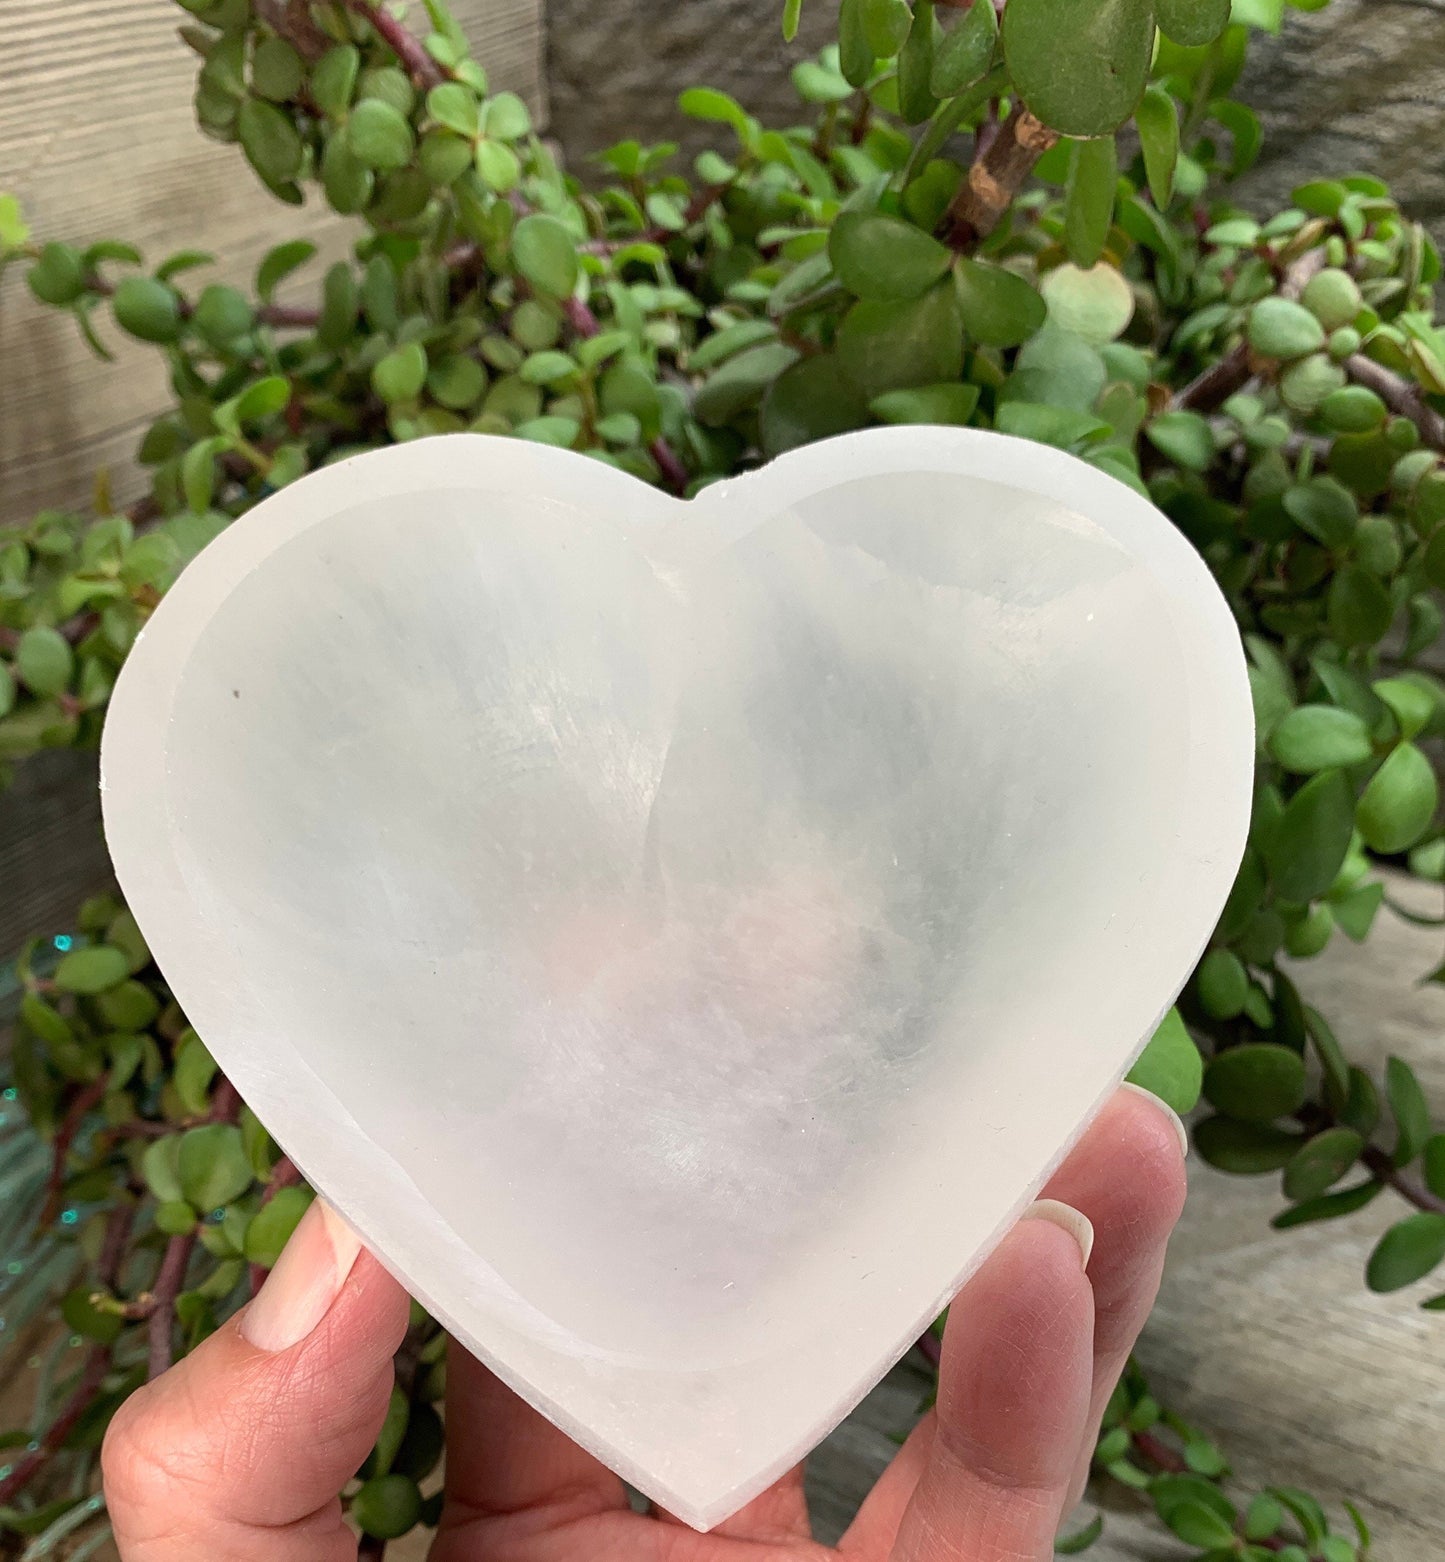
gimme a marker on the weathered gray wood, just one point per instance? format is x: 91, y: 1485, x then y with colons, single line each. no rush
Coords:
x: 51, y: 851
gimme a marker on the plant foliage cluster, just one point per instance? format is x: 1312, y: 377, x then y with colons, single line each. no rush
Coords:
x: 1012, y: 216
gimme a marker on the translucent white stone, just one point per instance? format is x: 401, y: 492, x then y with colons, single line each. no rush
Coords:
x: 682, y: 937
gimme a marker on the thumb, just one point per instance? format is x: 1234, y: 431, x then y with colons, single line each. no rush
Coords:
x: 237, y: 1454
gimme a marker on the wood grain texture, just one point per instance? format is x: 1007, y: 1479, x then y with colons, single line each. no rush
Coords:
x: 98, y: 140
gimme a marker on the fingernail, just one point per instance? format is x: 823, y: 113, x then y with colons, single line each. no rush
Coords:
x: 1165, y: 1110
x: 1066, y: 1218
x: 307, y: 1279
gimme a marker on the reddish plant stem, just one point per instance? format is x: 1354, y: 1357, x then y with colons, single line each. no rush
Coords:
x: 372, y: 1549
x: 97, y: 1364
x: 424, y: 71
x: 670, y: 465
x: 64, y: 1137
x: 930, y: 1348
x: 1157, y: 1451
x: 169, y: 1280
x: 225, y: 1103
x: 284, y: 1174
x: 113, y: 1245
x: 1382, y: 1164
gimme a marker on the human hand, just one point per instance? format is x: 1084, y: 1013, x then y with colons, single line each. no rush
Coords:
x: 237, y: 1453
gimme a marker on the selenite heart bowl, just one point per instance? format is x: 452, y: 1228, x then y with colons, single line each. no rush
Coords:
x: 681, y: 937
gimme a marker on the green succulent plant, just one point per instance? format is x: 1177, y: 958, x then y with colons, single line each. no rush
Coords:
x: 1013, y: 216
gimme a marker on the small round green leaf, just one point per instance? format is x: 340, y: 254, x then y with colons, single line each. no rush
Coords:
x: 915, y: 65
x: 147, y: 309
x: 545, y: 253
x: 457, y: 381
x: 1246, y: 1149
x: 951, y: 403
x: 333, y: 80
x: 1256, y: 1083
x: 878, y: 257
x: 160, y: 1169
x: 276, y: 70
x: 506, y: 116
x: 1317, y: 737
x: 965, y: 52
x: 379, y: 135
x: 1096, y: 304
x: 908, y: 342
x: 1358, y: 607
x: 222, y: 314
x: 1333, y: 297
x: 400, y: 375
x: 44, y: 660
x: 1080, y: 65
x: 212, y: 1166
x: 91, y: 971
x: 456, y: 107
x: 1185, y: 437
x: 270, y: 141
x: 271, y: 1226
x: 1407, y: 1252
x: 1222, y: 984
x: 1327, y: 510
x: 1170, y: 1066
x: 809, y: 400
x: 387, y: 1506
x: 1192, y: 22
x: 1280, y: 328
x: 1322, y: 1162
x: 1399, y: 803
x: 999, y: 308
x: 58, y: 276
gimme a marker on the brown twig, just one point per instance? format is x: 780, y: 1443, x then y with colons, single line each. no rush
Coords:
x: 169, y: 1280
x: 1216, y: 385
x: 995, y: 177
x: 372, y: 1549
x: 424, y: 71
x: 1399, y: 396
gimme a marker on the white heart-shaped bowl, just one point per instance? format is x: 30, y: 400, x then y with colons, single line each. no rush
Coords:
x: 682, y: 937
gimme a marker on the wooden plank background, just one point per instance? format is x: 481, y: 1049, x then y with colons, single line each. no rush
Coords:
x: 98, y: 139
